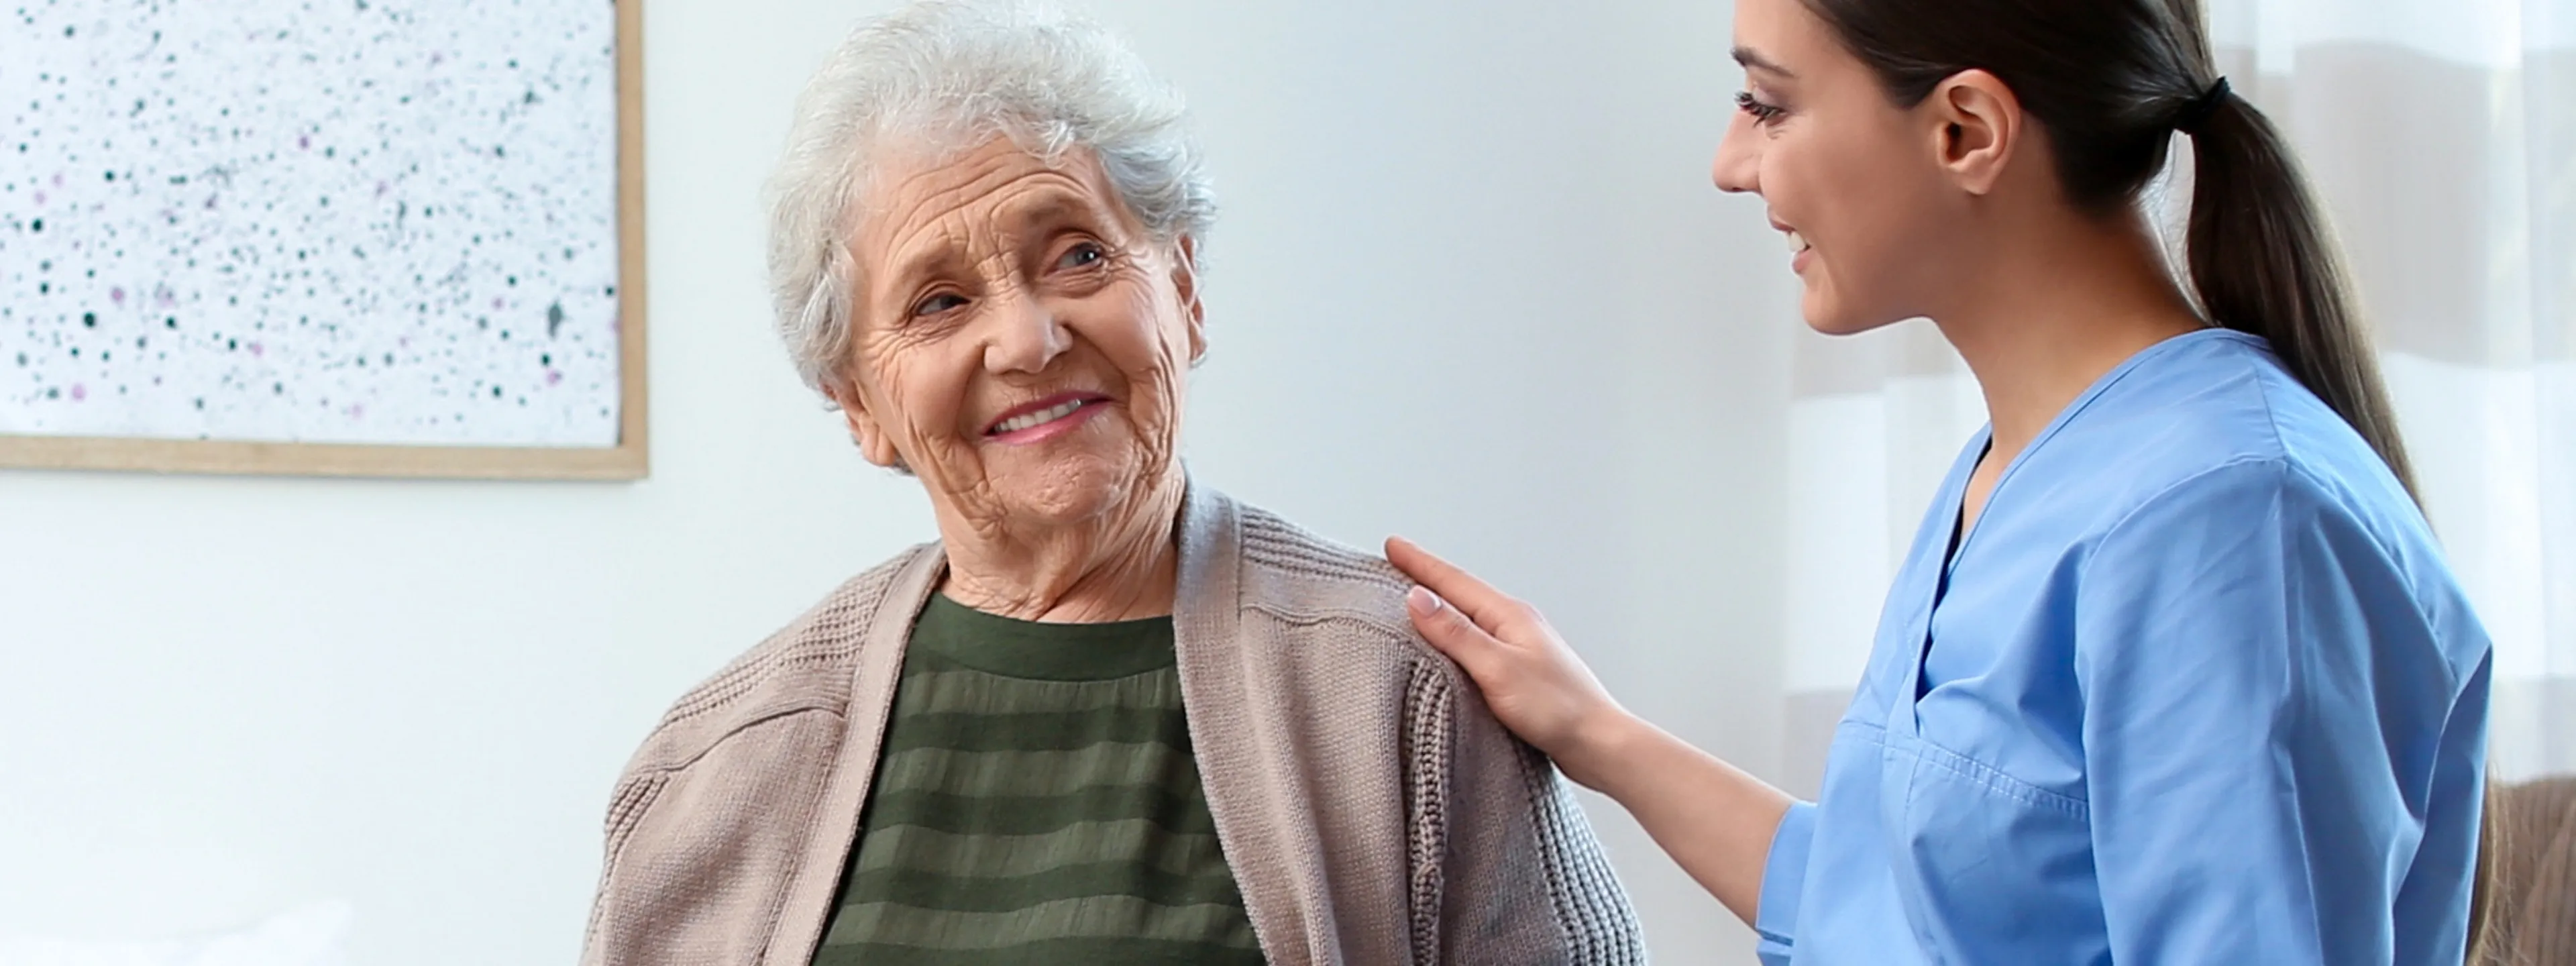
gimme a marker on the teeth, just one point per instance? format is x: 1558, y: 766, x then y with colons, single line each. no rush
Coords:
x: 1797, y: 243
x: 1039, y: 418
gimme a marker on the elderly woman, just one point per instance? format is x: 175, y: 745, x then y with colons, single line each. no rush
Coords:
x: 1110, y: 716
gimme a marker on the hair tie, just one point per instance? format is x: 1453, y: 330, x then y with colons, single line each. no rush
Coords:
x: 2197, y: 113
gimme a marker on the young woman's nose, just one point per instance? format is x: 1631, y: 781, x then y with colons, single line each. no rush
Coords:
x: 1739, y: 157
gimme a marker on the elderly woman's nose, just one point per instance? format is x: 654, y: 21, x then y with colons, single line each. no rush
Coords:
x: 1024, y: 334
x: 1739, y: 159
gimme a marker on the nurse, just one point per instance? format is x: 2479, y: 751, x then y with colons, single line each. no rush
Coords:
x: 2174, y: 671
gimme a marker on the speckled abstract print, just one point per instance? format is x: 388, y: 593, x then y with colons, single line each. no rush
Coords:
x: 350, y: 221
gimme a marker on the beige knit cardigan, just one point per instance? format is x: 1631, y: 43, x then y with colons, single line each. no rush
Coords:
x: 1372, y: 810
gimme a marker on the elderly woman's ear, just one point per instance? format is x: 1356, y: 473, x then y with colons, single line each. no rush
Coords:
x: 871, y: 438
x: 1185, y: 280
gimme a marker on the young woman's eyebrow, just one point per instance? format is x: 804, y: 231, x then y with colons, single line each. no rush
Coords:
x: 1752, y: 59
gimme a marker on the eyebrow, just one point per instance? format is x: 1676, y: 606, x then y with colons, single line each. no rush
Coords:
x: 1753, y: 60
x: 1053, y: 209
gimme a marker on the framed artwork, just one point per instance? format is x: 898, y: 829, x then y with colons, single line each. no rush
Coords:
x: 323, y: 237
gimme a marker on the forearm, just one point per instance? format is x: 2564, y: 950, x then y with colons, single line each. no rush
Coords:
x: 1710, y: 816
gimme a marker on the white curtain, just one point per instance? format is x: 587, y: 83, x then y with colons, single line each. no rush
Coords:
x: 2441, y: 135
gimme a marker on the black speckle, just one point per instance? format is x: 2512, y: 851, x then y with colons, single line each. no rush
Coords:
x: 22, y: 358
x: 496, y: 392
x: 554, y: 319
x: 201, y: 402
x: 89, y: 320
x: 53, y: 394
x: 278, y: 389
x: 111, y: 176
x: 514, y: 280
x: 171, y: 322
x: 38, y: 224
x: 231, y: 344
x: 67, y: 31
x: 610, y: 291
x: 546, y: 360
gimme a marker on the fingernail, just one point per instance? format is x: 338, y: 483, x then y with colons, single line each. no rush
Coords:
x: 1422, y: 601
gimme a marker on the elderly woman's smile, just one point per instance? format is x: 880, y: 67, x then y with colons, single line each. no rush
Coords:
x: 1045, y: 418
x: 1020, y: 341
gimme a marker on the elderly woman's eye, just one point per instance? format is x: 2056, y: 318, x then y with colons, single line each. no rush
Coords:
x: 937, y: 304
x: 1081, y: 255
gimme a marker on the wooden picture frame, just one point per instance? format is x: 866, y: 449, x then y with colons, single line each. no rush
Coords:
x: 627, y: 460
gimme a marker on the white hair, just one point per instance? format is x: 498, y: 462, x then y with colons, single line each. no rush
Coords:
x: 947, y: 75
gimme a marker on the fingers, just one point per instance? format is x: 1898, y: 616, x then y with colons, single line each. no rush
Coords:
x: 1449, y: 631
x: 1489, y: 608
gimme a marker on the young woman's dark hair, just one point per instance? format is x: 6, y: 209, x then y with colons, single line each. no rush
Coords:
x: 2109, y: 82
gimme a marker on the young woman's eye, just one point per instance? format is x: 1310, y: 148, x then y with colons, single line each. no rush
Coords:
x: 937, y: 304
x: 1080, y: 256
x: 1763, y: 113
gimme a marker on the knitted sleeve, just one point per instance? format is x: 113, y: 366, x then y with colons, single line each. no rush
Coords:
x: 1505, y: 867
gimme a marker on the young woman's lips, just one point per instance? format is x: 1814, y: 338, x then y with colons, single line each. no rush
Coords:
x: 1046, y: 418
x: 1799, y: 251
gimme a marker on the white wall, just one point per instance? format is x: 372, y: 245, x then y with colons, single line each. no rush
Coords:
x: 1470, y: 284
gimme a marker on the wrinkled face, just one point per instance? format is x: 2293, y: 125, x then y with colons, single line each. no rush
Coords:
x: 1852, y: 181
x: 1018, y: 341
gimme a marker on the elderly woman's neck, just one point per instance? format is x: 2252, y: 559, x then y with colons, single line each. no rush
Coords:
x: 1122, y: 566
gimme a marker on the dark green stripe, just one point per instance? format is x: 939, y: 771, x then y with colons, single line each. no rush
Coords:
x: 924, y: 889
x: 1038, y: 731
x: 1134, y: 840
x: 961, y: 689
x: 1176, y: 811
x: 1048, y: 952
x: 1035, y: 772
x: 1098, y: 917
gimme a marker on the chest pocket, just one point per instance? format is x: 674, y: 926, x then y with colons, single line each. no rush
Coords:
x: 1992, y: 869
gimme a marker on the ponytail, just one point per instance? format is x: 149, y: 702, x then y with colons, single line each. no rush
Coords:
x: 2264, y: 263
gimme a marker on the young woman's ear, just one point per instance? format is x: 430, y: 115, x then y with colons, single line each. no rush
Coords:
x: 1977, y: 128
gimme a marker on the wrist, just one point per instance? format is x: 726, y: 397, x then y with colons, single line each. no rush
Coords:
x: 1599, y: 744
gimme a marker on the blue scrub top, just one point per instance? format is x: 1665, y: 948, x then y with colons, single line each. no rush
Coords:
x: 2196, y: 688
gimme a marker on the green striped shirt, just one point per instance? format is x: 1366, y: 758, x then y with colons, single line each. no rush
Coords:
x: 1036, y: 802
